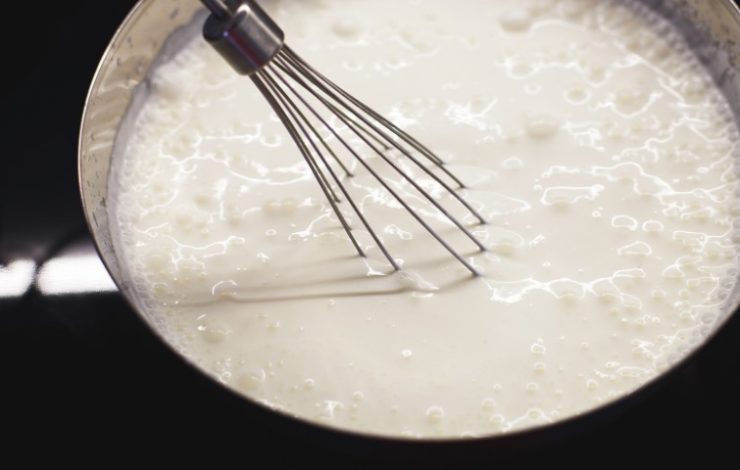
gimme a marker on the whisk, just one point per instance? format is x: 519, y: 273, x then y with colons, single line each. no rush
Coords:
x: 253, y: 44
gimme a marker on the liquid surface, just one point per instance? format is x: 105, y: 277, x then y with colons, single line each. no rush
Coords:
x: 588, y: 136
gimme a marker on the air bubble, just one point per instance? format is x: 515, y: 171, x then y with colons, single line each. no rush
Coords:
x: 538, y: 349
x: 285, y: 207
x: 497, y: 420
x: 515, y: 21
x: 488, y: 404
x: 673, y: 272
x: 606, y: 291
x: 635, y: 249
x: 435, y: 414
x: 251, y: 381
x: 566, y: 289
x: 541, y: 126
x: 658, y: 294
x: 652, y: 226
x: 215, y: 332
x: 630, y: 99
x: 346, y: 29
x: 513, y: 164
x: 577, y: 95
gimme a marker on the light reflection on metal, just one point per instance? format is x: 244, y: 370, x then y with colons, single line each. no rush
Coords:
x: 16, y: 278
x: 77, y: 271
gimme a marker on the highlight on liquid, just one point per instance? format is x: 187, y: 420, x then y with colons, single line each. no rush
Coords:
x: 587, y: 134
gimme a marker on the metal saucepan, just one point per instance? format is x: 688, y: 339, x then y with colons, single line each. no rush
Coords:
x: 711, y: 27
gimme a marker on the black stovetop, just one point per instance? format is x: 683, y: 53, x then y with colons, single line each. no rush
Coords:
x: 78, y: 367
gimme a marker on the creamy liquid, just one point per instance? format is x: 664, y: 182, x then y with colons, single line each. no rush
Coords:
x: 589, y: 137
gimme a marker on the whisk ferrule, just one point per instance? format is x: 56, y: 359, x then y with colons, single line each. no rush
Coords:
x: 243, y: 34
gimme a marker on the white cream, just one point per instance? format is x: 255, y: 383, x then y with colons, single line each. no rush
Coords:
x: 597, y: 148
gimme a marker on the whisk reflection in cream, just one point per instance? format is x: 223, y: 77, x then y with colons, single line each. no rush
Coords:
x: 253, y: 44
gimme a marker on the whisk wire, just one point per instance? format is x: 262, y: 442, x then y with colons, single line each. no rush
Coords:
x: 294, y: 110
x: 385, y: 122
x: 290, y: 108
x: 311, y: 74
x: 254, y: 45
x: 283, y: 116
x: 400, y: 171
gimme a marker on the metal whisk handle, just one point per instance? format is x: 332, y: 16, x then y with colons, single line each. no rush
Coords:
x: 243, y: 33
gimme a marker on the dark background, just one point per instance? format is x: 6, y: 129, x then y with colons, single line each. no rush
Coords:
x: 81, y: 373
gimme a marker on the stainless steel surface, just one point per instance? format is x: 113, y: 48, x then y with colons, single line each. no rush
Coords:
x: 243, y: 34
x: 711, y: 27
x: 217, y: 7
